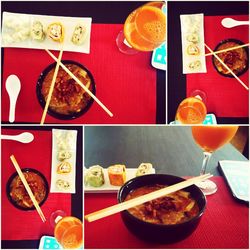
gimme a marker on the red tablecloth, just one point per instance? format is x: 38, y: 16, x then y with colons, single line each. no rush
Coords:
x: 225, y: 224
x: 225, y: 96
x: 27, y: 225
x: 125, y: 84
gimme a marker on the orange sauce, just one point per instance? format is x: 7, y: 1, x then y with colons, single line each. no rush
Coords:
x: 191, y: 111
x: 145, y: 28
x: 69, y: 232
x: 210, y: 138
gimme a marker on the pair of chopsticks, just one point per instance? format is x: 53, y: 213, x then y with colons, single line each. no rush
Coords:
x: 51, y: 87
x: 27, y: 187
x: 59, y: 63
x: 144, y: 198
x: 224, y: 65
x: 228, y: 49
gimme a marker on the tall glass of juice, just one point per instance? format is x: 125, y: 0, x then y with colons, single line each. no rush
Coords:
x: 209, y: 139
x: 144, y: 29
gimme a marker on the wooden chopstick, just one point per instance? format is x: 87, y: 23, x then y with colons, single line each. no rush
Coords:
x: 81, y: 84
x: 51, y: 87
x: 235, y: 76
x: 144, y: 198
x: 27, y: 187
x: 228, y: 49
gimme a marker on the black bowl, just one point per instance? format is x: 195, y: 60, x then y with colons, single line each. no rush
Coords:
x: 16, y: 174
x: 155, y: 232
x: 53, y: 112
x: 239, y: 43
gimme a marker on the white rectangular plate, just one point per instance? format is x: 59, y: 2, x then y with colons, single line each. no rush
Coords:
x: 59, y: 138
x: 69, y: 24
x: 193, y: 25
x: 106, y: 187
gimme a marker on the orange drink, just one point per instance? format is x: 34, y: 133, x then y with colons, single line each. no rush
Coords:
x: 69, y: 232
x: 191, y: 110
x: 210, y: 138
x: 145, y: 28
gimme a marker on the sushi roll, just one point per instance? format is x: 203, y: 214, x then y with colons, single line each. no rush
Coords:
x: 37, y: 32
x: 196, y: 65
x: 117, y: 175
x: 56, y: 32
x: 62, y: 185
x: 144, y: 168
x: 63, y: 155
x: 193, y: 50
x: 79, y: 34
x: 95, y: 176
x: 64, y: 168
x: 193, y: 37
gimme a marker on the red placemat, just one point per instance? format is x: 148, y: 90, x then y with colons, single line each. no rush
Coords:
x: 27, y: 225
x: 225, y: 224
x: 125, y: 84
x: 226, y: 97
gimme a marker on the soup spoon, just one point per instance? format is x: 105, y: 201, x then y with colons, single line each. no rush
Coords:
x: 230, y: 22
x: 25, y: 137
x: 13, y: 87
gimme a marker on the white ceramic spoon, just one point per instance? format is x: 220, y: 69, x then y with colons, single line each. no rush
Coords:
x: 13, y: 87
x: 230, y: 22
x: 25, y: 137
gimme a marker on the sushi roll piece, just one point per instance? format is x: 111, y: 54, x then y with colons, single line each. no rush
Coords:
x: 117, y: 175
x: 79, y: 34
x: 95, y: 176
x: 56, y: 32
x: 193, y: 50
x: 62, y: 185
x: 196, y: 65
x: 144, y: 168
x: 37, y: 32
x: 63, y: 155
x: 193, y: 37
x: 64, y: 168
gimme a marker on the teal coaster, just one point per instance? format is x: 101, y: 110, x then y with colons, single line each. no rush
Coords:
x: 159, y: 57
x: 209, y: 120
x: 49, y: 242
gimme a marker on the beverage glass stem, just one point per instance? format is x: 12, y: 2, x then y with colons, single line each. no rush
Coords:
x: 206, y: 158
